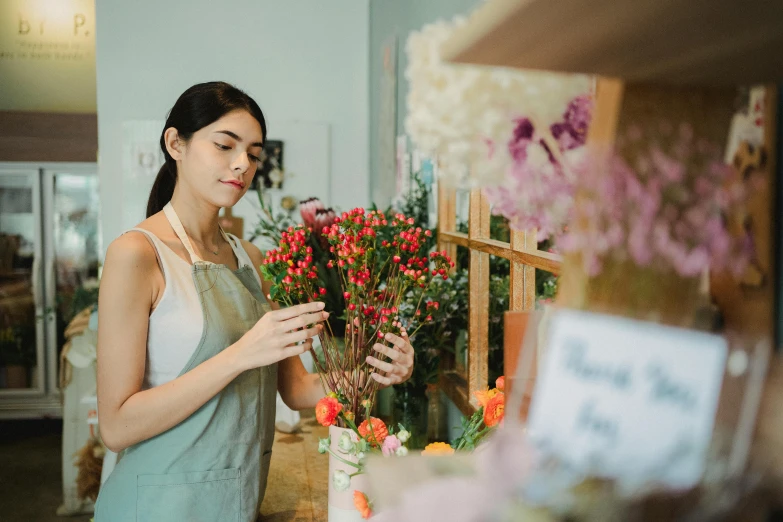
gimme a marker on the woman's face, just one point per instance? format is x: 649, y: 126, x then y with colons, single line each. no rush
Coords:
x: 219, y: 161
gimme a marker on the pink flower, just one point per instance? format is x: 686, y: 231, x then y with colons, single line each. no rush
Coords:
x: 668, y: 213
x: 390, y: 444
x: 324, y: 218
x: 307, y: 209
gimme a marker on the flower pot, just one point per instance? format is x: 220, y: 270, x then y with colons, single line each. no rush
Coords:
x: 341, y: 507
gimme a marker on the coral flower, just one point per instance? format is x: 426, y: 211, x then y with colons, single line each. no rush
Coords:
x: 493, y: 412
x: 327, y: 410
x: 438, y: 448
x: 485, y: 396
x: 362, y: 504
x: 377, y: 434
x: 500, y: 384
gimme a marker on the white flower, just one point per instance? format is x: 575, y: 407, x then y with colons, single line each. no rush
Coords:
x: 403, y: 436
x: 345, y: 443
x: 455, y: 110
x: 323, y: 445
x: 361, y: 458
x: 341, y: 480
x: 401, y: 451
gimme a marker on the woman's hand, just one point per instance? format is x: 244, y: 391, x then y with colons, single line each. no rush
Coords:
x: 278, y: 335
x: 400, y: 367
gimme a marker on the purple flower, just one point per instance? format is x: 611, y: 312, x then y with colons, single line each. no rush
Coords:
x: 520, y: 139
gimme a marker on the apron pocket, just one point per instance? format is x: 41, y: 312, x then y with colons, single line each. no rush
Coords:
x: 197, y: 496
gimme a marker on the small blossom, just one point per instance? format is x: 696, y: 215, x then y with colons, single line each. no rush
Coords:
x: 402, y: 451
x: 403, y: 435
x: 500, y: 383
x: 390, y: 444
x: 323, y: 445
x: 345, y: 443
x: 341, y: 480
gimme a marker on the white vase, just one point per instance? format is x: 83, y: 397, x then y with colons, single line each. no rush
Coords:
x: 341, y: 507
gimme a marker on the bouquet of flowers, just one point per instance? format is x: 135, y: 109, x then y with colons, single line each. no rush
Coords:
x: 375, y: 275
x: 372, y: 435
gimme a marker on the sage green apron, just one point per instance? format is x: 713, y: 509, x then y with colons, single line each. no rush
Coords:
x: 212, y: 466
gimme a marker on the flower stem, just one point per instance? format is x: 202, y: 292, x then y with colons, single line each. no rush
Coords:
x: 346, y: 462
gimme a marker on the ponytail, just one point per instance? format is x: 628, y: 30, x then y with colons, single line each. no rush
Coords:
x: 162, y: 189
x: 197, y: 107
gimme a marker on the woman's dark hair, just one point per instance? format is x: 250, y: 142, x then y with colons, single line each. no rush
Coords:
x: 199, y: 106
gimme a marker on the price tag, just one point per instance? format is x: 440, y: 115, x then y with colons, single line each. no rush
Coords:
x: 629, y: 400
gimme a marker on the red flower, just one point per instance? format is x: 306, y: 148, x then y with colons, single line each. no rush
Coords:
x: 327, y: 410
x: 500, y: 383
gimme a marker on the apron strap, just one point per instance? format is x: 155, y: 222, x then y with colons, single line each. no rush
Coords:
x: 176, y: 224
x: 234, y: 247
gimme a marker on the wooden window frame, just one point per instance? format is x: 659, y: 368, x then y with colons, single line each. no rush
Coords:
x: 524, y: 257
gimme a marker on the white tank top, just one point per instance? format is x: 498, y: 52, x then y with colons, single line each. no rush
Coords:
x: 176, y: 324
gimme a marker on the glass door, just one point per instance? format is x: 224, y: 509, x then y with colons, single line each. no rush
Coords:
x: 21, y: 290
x: 73, y: 250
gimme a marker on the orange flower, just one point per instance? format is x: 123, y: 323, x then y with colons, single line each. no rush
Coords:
x: 438, y: 448
x: 362, y: 504
x: 485, y: 396
x: 377, y: 435
x: 493, y: 412
x: 327, y: 410
x: 500, y: 384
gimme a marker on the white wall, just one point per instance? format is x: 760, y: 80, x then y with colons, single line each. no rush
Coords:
x: 303, y: 60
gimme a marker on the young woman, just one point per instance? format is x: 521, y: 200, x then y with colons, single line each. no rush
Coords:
x: 190, y: 353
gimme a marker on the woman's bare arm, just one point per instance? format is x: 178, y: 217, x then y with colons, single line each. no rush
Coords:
x: 129, y: 415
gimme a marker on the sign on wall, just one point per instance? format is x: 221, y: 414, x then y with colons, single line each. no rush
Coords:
x: 47, y: 56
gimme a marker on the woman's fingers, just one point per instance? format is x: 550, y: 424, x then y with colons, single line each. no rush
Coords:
x: 381, y: 365
x: 397, y: 341
x: 297, y: 349
x: 300, y: 335
x: 304, y: 320
x: 386, y: 381
x: 293, y: 311
x: 391, y: 353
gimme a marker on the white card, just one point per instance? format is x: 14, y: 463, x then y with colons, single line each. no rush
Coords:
x: 629, y: 400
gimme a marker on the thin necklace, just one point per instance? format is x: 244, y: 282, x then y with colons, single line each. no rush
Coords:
x: 214, y: 252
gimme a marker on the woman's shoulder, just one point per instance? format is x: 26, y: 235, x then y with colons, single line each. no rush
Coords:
x: 133, y: 250
x: 134, y: 247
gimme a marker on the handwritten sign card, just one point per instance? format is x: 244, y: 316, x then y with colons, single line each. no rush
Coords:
x: 627, y: 399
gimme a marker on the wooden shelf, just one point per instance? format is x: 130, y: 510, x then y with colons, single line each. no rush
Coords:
x: 658, y: 41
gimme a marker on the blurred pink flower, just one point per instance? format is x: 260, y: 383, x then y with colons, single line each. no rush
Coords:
x: 308, y: 208
x: 662, y: 214
x: 390, y: 444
